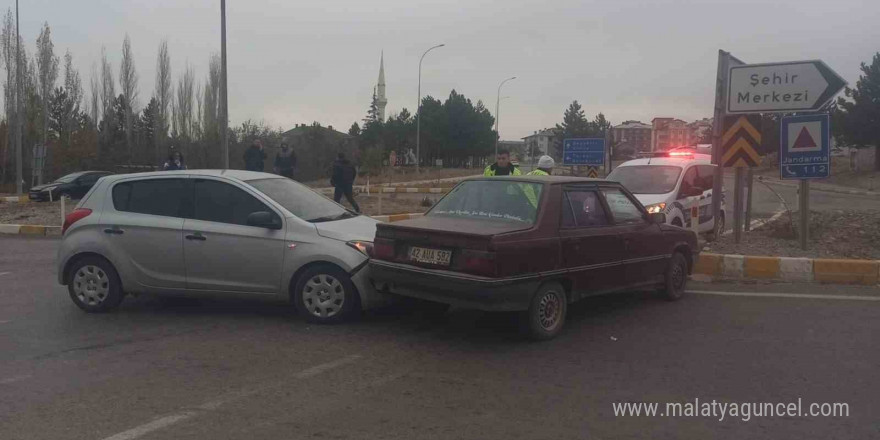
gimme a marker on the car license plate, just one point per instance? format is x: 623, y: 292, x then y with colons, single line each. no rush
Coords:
x: 430, y: 256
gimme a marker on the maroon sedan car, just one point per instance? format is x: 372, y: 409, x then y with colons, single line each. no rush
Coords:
x: 532, y: 244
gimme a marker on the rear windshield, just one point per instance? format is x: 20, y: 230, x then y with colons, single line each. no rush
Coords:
x: 496, y: 200
x: 647, y: 179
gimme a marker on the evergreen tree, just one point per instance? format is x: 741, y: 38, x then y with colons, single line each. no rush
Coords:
x: 355, y: 130
x: 857, y: 116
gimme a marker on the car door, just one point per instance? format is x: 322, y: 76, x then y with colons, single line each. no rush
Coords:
x: 688, y: 194
x: 642, y: 258
x: 705, y: 179
x: 142, y: 226
x: 221, y: 251
x: 591, y: 247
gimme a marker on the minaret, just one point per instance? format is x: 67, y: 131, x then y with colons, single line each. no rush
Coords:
x: 380, y: 97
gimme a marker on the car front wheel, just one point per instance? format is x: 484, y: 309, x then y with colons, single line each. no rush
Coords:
x: 546, y: 315
x: 94, y: 285
x: 676, y: 277
x: 325, y: 294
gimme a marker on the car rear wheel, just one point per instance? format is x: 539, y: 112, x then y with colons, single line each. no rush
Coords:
x: 676, y: 277
x: 325, y: 294
x: 546, y: 315
x: 94, y: 285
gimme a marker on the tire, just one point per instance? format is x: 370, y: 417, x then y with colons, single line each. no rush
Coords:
x: 324, y: 294
x: 546, y: 315
x: 94, y: 285
x: 676, y: 277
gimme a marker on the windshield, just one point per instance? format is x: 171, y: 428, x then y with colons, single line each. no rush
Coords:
x: 68, y: 178
x: 647, y: 179
x: 300, y: 200
x: 501, y: 200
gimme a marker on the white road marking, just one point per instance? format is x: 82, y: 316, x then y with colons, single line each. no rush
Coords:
x: 14, y: 379
x: 4, y: 322
x: 4, y: 273
x: 787, y: 295
x: 155, y: 425
x: 164, y: 422
x: 758, y: 222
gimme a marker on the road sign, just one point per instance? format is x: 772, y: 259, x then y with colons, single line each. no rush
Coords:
x: 593, y: 173
x: 805, y: 147
x: 583, y: 151
x: 781, y: 87
x: 741, y: 142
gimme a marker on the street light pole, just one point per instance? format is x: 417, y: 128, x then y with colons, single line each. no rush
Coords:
x: 224, y: 103
x: 19, y: 173
x: 419, y: 109
x: 497, y: 114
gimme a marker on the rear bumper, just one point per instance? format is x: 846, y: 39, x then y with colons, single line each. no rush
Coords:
x: 461, y: 290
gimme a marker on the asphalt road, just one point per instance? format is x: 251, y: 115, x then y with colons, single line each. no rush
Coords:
x: 229, y: 369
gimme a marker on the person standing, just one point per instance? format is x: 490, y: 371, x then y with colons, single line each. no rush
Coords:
x: 342, y: 181
x: 545, y: 167
x: 285, y: 161
x: 255, y: 157
x: 502, y: 166
x: 174, y: 162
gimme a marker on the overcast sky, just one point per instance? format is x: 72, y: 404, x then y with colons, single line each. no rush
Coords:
x: 302, y: 61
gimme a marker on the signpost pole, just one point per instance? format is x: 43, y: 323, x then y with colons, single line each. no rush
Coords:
x: 750, y: 177
x: 737, y: 205
x: 804, y: 208
x: 717, y: 127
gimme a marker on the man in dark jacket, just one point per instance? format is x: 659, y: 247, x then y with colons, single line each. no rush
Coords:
x: 254, y: 157
x: 285, y: 161
x: 343, y: 179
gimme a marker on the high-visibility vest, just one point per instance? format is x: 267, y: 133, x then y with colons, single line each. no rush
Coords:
x: 491, y: 170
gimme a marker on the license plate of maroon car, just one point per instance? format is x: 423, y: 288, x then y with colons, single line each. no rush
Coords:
x: 430, y: 256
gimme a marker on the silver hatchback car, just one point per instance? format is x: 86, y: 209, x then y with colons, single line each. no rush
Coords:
x: 217, y: 231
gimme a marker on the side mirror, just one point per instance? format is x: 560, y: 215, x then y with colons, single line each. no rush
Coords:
x: 658, y: 218
x: 263, y: 219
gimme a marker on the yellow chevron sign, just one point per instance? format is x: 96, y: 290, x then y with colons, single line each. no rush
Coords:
x: 741, y: 142
x: 593, y: 173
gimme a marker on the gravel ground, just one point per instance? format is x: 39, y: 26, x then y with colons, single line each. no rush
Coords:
x: 33, y: 213
x: 833, y: 234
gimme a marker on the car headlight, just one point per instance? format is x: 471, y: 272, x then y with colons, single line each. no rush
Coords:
x: 655, y: 208
x: 364, y: 247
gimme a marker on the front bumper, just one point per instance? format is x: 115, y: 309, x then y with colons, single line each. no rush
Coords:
x: 457, y: 289
x: 39, y: 196
x: 370, y: 297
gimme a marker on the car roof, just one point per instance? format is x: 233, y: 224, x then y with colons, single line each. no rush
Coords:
x: 543, y: 179
x: 677, y: 161
x: 233, y: 174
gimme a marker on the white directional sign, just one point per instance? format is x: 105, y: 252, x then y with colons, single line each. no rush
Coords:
x: 781, y: 87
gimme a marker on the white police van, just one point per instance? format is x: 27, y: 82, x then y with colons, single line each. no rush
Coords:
x: 673, y: 182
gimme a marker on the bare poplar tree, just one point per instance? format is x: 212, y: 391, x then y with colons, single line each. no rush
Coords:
x: 7, y: 41
x: 211, y: 101
x: 163, y: 96
x: 183, y: 110
x: 108, y: 86
x: 94, y: 100
x: 128, y: 81
x: 47, y: 66
x: 74, y: 92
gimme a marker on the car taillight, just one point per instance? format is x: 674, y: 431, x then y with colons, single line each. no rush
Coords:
x: 383, y: 249
x: 73, y: 217
x: 479, y: 263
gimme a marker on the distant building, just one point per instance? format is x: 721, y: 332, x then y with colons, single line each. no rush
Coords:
x: 539, y: 143
x: 631, y: 137
x: 700, y: 131
x: 517, y: 148
x: 669, y: 133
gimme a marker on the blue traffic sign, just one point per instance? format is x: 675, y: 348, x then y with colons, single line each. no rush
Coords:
x: 583, y: 151
x: 805, y: 147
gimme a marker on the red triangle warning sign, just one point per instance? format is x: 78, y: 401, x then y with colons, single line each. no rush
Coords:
x: 804, y: 141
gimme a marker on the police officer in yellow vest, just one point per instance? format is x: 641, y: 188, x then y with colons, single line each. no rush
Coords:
x: 545, y: 167
x: 502, y: 166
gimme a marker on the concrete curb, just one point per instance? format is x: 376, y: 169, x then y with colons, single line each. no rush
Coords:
x: 819, y: 270
x: 30, y: 230
x: 393, y: 190
x: 824, y: 188
x: 15, y: 199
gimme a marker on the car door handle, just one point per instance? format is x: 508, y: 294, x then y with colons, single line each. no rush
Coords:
x: 114, y: 230
x: 196, y: 236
